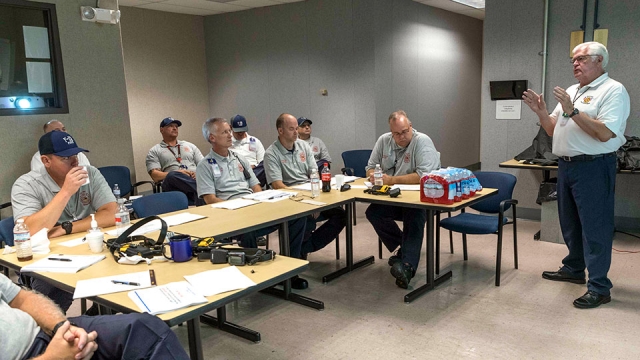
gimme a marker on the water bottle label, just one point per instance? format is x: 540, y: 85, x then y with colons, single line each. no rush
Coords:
x: 20, y: 237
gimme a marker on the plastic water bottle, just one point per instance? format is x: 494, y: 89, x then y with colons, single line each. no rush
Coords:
x: 22, y: 241
x: 122, y: 217
x: 377, y: 176
x: 315, y: 183
x: 116, y: 191
x: 326, y: 178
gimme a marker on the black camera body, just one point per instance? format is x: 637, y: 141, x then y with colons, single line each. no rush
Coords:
x: 222, y: 256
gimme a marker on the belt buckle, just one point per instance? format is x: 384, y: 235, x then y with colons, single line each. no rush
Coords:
x: 566, y: 158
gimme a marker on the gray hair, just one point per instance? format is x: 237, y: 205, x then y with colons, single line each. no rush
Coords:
x: 595, y: 48
x: 397, y: 114
x: 210, y: 126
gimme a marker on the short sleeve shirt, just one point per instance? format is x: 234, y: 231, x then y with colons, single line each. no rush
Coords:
x: 318, y: 148
x: 171, y: 158
x: 250, y: 147
x: 420, y: 156
x: 224, y: 176
x: 34, y: 190
x: 605, y: 100
x: 18, y: 329
x: 292, y: 167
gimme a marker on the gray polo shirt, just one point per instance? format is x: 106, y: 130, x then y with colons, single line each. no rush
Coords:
x: 420, y: 156
x: 292, y: 167
x: 230, y: 183
x: 34, y: 190
x: 165, y: 157
x: 250, y: 147
x: 318, y: 148
x: 18, y: 329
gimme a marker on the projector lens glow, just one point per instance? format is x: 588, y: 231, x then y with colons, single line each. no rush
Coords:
x: 23, y: 103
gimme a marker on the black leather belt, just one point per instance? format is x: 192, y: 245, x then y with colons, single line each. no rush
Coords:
x: 586, y: 157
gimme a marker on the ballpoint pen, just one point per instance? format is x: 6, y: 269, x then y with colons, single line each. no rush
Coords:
x: 59, y: 259
x: 125, y: 282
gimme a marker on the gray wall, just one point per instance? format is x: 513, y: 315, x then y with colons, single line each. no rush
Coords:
x: 373, y: 57
x: 98, y: 115
x: 166, y: 76
x: 513, y: 33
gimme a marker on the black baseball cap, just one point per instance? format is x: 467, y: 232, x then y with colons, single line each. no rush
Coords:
x: 58, y: 143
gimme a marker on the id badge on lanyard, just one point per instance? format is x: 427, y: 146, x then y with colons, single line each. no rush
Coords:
x: 252, y: 144
x: 214, y: 166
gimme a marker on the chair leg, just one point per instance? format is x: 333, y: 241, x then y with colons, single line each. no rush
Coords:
x: 499, y: 256
x: 379, y: 248
x: 267, y: 247
x: 515, y: 240
x: 464, y: 247
x: 450, y: 237
x: 437, y: 243
x: 338, y: 247
x: 354, y: 214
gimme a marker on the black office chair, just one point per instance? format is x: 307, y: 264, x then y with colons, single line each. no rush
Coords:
x: 156, y: 204
x: 466, y: 223
x: 122, y: 176
x: 4, y: 206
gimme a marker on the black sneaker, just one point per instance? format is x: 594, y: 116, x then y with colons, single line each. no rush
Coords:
x: 299, y: 283
x: 403, y: 274
x: 396, y: 257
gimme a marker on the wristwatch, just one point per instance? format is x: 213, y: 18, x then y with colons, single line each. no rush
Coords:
x: 58, y: 325
x: 67, y: 226
x: 574, y: 112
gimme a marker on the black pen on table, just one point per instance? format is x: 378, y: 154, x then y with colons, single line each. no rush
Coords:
x: 59, y: 259
x: 125, y: 282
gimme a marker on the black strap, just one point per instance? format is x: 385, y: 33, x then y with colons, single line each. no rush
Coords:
x: 125, y: 236
x: 254, y: 255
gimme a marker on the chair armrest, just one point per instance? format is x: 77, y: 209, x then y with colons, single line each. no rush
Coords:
x: 134, y: 186
x: 348, y: 171
x: 504, y: 203
x: 5, y: 205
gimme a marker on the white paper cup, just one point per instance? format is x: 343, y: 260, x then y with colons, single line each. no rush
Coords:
x: 95, y: 240
x: 86, y: 181
x: 339, y: 181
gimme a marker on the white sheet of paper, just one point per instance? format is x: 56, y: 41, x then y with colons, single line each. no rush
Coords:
x: 182, y: 218
x: 77, y: 263
x: 233, y: 204
x: 508, y: 109
x: 214, y: 282
x: 39, y: 77
x: 73, y: 242
x: 36, y: 42
x: 165, y: 298
x: 270, y: 195
x: 407, y: 187
x: 104, y: 285
x: 313, y: 202
x: 368, y: 184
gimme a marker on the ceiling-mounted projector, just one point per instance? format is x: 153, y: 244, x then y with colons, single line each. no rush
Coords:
x: 100, y: 15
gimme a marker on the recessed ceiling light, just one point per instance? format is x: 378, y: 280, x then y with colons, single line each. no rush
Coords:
x: 476, y: 4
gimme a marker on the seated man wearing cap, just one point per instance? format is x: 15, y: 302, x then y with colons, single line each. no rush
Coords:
x: 288, y: 162
x: 225, y: 175
x: 174, y: 161
x: 250, y: 147
x: 55, y: 125
x: 60, y: 199
x: 318, y: 148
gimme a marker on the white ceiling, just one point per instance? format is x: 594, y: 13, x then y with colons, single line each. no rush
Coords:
x: 212, y: 7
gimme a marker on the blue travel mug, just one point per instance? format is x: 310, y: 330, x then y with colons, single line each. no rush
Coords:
x: 180, y: 246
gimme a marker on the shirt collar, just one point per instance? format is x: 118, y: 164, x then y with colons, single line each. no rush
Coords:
x: 598, y: 81
x: 218, y: 157
x: 165, y: 145
x: 284, y: 150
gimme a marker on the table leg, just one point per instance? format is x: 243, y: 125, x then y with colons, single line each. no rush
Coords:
x: 195, y: 342
x: 349, y: 244
x: 221, y: 323
x: 286, y: 292
x: 432, y: 282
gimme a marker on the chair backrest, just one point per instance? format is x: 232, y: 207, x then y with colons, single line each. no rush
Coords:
x: 6, y: 231
x: 117, y: 175
x: 357, y: 160
x: 160, y: 203
x: 498, y: 180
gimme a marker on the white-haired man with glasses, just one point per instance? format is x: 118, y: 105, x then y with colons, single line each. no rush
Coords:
x: 405, y: 155
x: 587, y: 127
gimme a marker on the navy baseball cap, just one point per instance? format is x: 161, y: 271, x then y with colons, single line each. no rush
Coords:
x: 170, y: 120
x: 239, y: 123
x: 58, y: 143
x: 302, y: 119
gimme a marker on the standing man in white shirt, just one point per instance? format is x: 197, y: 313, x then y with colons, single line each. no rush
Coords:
x: 54, y: 125
x: 587, y: 127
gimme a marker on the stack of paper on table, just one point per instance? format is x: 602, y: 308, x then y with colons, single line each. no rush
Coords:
x: 165, y: 298
x: 214, y: 282
x: 77, y: 263
x: 233, y: 204
x: 105, y: 285
x: 270, y: 195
